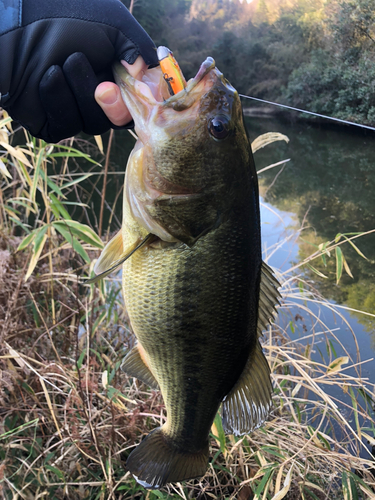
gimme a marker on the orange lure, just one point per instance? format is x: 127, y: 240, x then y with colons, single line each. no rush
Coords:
x: 171, y: 70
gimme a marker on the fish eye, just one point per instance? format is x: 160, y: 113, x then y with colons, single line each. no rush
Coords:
x: 219, y: 127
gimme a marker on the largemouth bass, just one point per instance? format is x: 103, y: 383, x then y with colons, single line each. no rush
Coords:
x: 195, y: 288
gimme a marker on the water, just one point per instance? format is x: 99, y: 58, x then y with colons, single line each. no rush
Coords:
x: 328, y: 187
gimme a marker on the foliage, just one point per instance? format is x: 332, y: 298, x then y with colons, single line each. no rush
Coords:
x: 318, y: 55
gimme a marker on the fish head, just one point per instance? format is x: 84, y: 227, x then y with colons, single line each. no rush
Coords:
x: 192, y: 163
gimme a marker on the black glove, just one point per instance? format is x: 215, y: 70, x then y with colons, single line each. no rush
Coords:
x: 54, y: 53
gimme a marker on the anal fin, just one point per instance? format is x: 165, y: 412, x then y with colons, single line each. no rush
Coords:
x: 268, y: 298
x: 135, y: 365
x: 247, y: 405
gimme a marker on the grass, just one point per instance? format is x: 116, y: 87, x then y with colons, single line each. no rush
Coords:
x: 69, y: 416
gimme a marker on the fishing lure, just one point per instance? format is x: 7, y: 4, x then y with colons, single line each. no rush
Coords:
x: 172, y: 73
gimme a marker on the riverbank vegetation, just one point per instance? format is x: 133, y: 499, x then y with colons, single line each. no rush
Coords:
x: 69, y: 416
x: 316, y: 55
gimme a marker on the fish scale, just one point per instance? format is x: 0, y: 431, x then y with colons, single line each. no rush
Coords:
x: 175, y: 336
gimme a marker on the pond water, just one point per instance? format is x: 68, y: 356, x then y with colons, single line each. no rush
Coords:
x: 326, y: 188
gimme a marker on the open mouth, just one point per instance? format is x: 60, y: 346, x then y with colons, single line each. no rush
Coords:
x: 153, y: 87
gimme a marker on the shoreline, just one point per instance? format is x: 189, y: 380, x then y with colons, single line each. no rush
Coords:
x: 296, y: 116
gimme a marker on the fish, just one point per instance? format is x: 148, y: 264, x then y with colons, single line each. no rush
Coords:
x: 196, y: 290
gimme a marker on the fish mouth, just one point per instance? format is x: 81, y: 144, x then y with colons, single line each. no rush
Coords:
x: 149, y: 101
x: 150, y: 88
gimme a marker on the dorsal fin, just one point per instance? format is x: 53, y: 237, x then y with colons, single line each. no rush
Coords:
x: 113, y: 255
x: 268, y: 298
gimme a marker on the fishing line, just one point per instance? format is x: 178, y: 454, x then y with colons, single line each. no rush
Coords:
x: 308, y: 112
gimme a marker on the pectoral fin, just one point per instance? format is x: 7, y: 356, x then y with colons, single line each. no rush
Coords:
x: 113, y: 255
x: 247, y: 405
x: 268, y: 298
x: 135, y: 365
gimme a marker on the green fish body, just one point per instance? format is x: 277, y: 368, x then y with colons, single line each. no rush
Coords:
x: 197, y: 292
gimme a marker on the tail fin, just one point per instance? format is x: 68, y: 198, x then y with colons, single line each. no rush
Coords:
x: 156, y: 462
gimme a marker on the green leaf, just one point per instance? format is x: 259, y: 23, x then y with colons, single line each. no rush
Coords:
x: 4, y: 121
x: 27, y: 388
x: 324, y: 259
x: 68, y: 235
x: 339, y: 264
x: 36, y: 178
x: 49, y: 457
x: 98, y: 321
x: 56, y: 471
x: 85, y: 233
x: 75, y: 181
x: 54, y: 187
x: 80, y: 359
x: 16, y: 430
x: 356, y: 248
x: 26, y: 204
x: 366, y: 396
x: 159, y: 494
x: 355, y: 408
x: 262, y: 485
x: 59, y: 206
x: 299, y: 415
x: 357, y: 479
x: 218, y: 432
x: 26, y: 241
x: 324, y: 441
x: 25, y: 228
x: 113, y: 393
x: 114, y: 371
x: 39, y: 241
x: 72, y: 153
x: 312, y: 494
x: 333, y: 348
x: 316, y: 271
x: 272, y: 450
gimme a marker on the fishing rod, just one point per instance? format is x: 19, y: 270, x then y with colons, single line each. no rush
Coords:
x: 308, y: 112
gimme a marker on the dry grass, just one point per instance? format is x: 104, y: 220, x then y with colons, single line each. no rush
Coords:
x: 69, y: 416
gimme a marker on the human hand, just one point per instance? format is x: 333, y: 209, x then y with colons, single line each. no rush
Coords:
x: 57, y: 54
x: 108, y: 95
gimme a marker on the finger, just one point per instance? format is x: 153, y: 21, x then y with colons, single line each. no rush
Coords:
x: 137, y: 69
x: 108, y: 96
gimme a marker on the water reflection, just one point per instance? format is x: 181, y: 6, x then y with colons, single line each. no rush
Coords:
x: 329, y: 187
